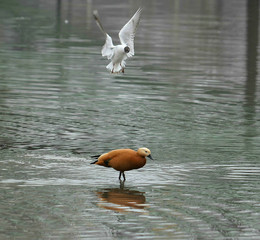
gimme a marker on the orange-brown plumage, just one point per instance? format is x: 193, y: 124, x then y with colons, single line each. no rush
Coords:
x: 124, y: 159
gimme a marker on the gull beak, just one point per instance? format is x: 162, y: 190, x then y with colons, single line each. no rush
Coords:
x: 150, y: 156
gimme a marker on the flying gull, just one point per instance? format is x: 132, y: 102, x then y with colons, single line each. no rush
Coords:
x: 119, y: 53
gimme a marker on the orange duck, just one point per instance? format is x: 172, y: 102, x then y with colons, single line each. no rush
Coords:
x: 123, y: 159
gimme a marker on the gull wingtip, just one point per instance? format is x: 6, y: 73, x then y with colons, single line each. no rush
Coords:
x: 95, y: 14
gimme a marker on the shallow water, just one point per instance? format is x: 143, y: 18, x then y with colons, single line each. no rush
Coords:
x: 190, y: 94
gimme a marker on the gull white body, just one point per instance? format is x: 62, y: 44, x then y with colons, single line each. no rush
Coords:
x: 119, y: 53
x: 117, y: 63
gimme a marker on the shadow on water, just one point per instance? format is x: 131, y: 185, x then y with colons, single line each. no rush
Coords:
x: 122, y: 199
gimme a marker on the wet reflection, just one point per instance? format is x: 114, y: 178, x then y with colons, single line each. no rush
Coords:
x: 122, y: 199
x: 251, y: 68
x: 58, y: 15
x: 252, y: 45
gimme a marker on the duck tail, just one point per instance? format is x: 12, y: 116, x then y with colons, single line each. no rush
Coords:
x: 95, y: 156
x: 94, y: 162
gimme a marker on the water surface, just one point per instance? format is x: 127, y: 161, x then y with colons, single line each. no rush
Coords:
x: 190, y: 94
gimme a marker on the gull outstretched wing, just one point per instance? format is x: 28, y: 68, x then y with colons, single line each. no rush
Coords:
x: 127, y: 33
x: 107, y: 49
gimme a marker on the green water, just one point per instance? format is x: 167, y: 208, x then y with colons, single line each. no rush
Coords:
x: 190, y: 94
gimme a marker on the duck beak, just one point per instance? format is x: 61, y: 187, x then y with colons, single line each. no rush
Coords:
x: 150, y: 156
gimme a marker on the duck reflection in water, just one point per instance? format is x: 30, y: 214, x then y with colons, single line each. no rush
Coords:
x: 122, y: 199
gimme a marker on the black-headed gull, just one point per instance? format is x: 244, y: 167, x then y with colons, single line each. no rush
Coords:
x: 119, y: 53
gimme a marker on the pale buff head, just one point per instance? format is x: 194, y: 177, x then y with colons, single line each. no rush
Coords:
x: 144, y: 152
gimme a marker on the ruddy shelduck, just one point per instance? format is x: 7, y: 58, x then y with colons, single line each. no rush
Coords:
x: 123, y: 159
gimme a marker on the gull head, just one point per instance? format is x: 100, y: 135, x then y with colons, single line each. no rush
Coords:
x: 127, y: 49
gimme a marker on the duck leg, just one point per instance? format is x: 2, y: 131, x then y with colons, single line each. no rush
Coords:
x: 121, y: 173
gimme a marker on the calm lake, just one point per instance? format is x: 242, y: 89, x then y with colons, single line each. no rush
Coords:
x: 191, y: 94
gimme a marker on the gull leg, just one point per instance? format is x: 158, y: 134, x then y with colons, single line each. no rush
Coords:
x: 123, y: 70
x: 113, y: 69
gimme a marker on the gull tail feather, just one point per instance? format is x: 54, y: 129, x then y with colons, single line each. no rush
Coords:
x: 110, y: 67
x: 115, y: 68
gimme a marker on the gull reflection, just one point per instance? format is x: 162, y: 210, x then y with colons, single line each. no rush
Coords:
x: 122, y: 200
